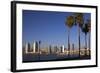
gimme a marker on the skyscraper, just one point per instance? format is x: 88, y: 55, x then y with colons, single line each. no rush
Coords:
x: 34, y: 47
x: 26, y: 48
x: 62, y: 49
x: 29, y: 47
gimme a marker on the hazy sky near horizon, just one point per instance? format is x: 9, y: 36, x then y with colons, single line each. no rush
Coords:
x: 50, y: 28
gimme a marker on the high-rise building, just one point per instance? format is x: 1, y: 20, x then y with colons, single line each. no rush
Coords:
x: 26, y: 48
x: 29, y: 47
x: 62, y: 49
x: 50, y: 50
x: 34, y: 47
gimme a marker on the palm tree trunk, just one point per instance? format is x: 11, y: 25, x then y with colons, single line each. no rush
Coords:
x: 68, y: 41
x: 73, y: 48
x: 89, y: 42
x: 85, y: 44
x: 79, y: 38
x: 39, y: 50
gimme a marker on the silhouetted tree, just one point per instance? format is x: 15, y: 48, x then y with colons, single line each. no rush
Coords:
x: 89, y: 28
x: 73, y: 48
x: 69, y: 23
x: 79, y: 20
x: 85, y: 30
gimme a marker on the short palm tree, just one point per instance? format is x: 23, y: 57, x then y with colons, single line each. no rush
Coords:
x: 69, y: 23
x: 85, y: 31
x: 79, y: 20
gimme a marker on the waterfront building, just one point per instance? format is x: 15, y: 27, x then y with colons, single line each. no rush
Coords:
x: 27, y: 48
x: 34, y: 47
x: 62, y: 49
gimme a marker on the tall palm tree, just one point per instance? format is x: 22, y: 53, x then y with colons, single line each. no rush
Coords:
x: 85, y: 31
x: 79, y: 20
x: 89, y: 30
x: 73, y: 48
x: 69, y: 23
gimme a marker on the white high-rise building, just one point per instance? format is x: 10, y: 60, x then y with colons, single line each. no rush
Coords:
x: 26, y: 48
x: 35, y: 47
x: 63, y: 48
x: 31, y: 48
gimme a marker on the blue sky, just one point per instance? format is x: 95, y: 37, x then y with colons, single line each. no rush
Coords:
x: 49, y: 27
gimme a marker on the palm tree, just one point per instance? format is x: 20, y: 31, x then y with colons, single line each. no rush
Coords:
x: 85, y: 31
x: 79, y: 21
x: 89, y: 30
x: 69, y: 23
x: 73, y: 48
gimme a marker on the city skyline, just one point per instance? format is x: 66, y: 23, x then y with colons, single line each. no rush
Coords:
x: 49, y: 27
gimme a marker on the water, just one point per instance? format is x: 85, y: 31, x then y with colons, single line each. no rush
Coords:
x: 50, y: 57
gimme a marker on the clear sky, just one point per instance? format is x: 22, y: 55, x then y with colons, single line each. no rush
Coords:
x: 49, y: 27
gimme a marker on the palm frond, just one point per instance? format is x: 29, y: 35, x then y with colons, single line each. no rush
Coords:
x: 69, y: 21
